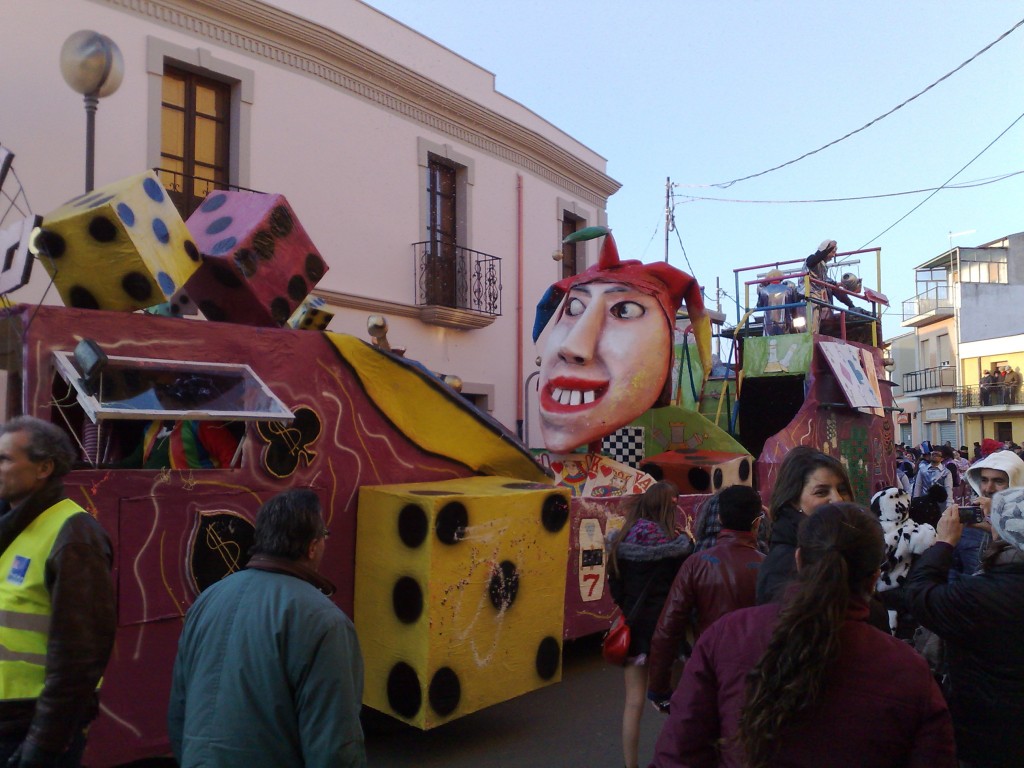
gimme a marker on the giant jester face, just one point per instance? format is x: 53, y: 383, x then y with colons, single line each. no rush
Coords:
x: 604, y: 363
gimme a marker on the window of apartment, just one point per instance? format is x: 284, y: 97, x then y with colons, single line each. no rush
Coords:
x: 199, y: 116
x: 444, y: 284
x: 927, y: 356
x: 572, y: 253
x: 991, y: 270
x: 195, y: 126
x: 1004, y: 431
x: 933, y: 282
x: 449, y: 274
x: 944, y: 350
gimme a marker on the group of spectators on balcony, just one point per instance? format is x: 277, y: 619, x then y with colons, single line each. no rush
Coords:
x: 1000, y: 385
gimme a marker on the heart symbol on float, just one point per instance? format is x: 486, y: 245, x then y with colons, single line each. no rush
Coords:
x: 606, y: 470
x: 557, y: 467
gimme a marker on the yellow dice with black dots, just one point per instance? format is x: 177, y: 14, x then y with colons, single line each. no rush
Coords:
x: 121, y: 247
x: 459, y: 594
x: 311, y: 315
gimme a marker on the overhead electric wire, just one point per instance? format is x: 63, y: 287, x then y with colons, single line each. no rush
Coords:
x: 685, y: 256
x: 933, y: 194
x: 962, y: 185
x: 725, y: 184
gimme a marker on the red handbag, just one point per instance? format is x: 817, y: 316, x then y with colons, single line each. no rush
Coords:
x: 615, y: 647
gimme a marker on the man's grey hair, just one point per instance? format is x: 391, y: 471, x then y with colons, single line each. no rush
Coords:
x: 45, y: 441
x: 287, y: 524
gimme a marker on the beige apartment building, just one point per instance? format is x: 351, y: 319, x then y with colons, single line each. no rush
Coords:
x: 966, y: 322
x: 436, y: 200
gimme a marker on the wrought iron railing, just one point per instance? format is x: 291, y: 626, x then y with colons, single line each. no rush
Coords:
x: 987, y: 395
x: 929, y: 378
x: 933, y: 300
x: 200, y: 186
x: 452, y: 276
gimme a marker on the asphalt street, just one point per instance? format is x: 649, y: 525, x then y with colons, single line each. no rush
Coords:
x: 571, y: 724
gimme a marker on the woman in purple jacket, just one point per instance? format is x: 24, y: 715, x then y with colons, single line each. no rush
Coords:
x: 810, y: 682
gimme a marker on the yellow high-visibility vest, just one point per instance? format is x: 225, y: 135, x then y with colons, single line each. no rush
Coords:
x: 25, y: 604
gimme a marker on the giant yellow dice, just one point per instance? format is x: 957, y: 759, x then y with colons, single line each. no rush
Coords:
x: 459, y: 594
x: 122, y: 247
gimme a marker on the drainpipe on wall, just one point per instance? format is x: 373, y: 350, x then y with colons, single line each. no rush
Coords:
x: 519, y: 306
x: 957, y: 304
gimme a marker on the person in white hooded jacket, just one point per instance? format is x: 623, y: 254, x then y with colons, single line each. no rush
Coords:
x: 996, y: 472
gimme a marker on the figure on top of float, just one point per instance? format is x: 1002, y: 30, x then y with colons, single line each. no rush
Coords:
x: 775, y: 293
x: 608, y: 356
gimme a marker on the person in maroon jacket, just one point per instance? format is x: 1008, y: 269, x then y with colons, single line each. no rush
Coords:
x: 809, y: 682
x: 709, y: 585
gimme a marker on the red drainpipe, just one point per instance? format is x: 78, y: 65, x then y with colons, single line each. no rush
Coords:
x: 519, y: 306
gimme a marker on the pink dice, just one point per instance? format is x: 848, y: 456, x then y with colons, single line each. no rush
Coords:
x: 258, y: 263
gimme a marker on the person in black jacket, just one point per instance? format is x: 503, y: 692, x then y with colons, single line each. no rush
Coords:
x: 807, y: 479
x: 643, y: 557
x: 981, y: 620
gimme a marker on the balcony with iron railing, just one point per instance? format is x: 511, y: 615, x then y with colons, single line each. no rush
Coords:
x: 992, y: 396
x: 456, y: 286
x: 934, y: 304
x: 943, y: 376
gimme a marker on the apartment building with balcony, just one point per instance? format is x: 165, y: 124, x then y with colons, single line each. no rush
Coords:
x: 967, y: 320
x: 436, y: 200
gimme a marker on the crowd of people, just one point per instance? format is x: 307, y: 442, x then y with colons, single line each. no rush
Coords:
x: 849, y: 635
x: 769, y: 639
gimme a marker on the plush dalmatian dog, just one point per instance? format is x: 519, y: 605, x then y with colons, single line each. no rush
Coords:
x: 904, y: 538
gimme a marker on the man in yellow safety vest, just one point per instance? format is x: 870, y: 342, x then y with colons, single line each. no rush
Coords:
x: 57, y: 609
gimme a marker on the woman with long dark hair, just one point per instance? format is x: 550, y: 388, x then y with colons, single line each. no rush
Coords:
x: 643, y: 558
x: 807, y: 479
x: 809, y: 682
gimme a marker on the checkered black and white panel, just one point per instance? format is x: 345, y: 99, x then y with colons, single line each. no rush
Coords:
x: 625, y: 445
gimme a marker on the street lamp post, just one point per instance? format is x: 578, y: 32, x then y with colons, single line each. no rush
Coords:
x: 92, y: 65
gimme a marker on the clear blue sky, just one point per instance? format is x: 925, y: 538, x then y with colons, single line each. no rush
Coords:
x: 705, y: 91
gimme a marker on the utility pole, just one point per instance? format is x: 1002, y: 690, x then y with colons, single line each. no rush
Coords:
x: 668, y: 212
x: 718, y: 308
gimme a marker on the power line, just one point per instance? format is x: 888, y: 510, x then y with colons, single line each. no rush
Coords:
x: 726, y: 184
x: 933, y: 194
x: 962, y: 185
x: 680, y: 239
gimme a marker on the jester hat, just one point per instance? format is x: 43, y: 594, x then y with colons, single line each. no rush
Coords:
x: 668, y: 285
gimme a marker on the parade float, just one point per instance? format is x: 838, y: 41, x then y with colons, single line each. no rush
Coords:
x: 465, y: 559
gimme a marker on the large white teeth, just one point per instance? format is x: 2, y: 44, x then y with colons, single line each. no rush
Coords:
x: 573, y: 396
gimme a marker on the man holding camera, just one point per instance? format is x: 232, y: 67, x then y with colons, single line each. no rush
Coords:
x: 996, y: 472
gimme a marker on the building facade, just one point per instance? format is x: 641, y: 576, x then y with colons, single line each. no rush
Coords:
x: 436, y: 201
x: 968, y: 337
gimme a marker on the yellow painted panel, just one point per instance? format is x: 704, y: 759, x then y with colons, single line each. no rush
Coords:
x: 430, y: 419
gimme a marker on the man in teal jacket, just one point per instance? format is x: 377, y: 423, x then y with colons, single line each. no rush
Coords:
x: 269, y: 671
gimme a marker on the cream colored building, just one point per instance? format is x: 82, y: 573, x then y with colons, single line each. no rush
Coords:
x: 400, y: 158
x: 968, y: 320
